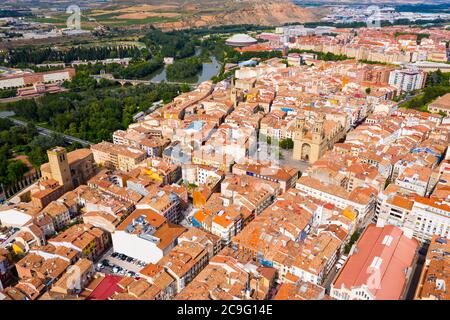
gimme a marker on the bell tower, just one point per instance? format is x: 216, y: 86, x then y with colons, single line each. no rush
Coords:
x: 59, y: 167
x: 234, y: 96
x: 318, y: 133
x: 298, y: 136
x: 299, y: 126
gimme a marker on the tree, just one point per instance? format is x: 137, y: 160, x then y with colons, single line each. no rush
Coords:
x: 354, y: 237
x: 184, y: 69
x: 91, y: 115
x: 15, y: 171
x: 287, y: 143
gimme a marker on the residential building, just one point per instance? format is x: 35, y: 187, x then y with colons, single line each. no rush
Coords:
x: 407, y: 80
x: 117, y: 156
x: 146, y: 235
x: 435, y: 277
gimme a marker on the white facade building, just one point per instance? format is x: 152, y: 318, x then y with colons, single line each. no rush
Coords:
x: 407, y: 80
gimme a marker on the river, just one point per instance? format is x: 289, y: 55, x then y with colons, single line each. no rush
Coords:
x: 209, y: 70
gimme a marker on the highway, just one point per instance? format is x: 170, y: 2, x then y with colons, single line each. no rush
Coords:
x: 46, y: 132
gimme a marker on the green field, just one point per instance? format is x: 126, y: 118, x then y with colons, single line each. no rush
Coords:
x: 108, y: 19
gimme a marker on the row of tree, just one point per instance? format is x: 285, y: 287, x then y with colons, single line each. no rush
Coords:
x: 18, y: 140
x: 33, y: 55
x: 177, y: 44
x: 94, y: 112
x: 139, y: 69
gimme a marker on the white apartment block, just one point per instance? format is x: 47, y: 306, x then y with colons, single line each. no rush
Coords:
x: 431, y: 217
x: 420, y: 218
x: 414, y: 184
x: 407, y: 80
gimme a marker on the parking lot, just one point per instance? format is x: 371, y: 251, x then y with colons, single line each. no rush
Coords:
x: 119, y: 264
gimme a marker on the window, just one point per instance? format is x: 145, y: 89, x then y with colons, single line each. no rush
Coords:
x: 387, y: 241
x: 376, y: 262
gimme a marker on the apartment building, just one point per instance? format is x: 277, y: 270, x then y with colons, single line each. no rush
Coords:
x: 59, y: 213
x: 284, y: 175
x: 143, y: 139
x: 89, y: 241
x: 45, y: 192
x: 146, y: 235
x: 246, y: 191
x: 407, y: 80
x: 227, y: 278
x: 40, y: 269
x: 117, y: 156
x: 300, y: 290
x: 165, y: 203
x: 194, y: 250
x: 6, y: 266
x: 430, y: 217
x: 361, y: 200
x: 435, y: 277
x: 275, y: 234
x: 76, y: 277
x: 224, y: 223
x: 415, y: 179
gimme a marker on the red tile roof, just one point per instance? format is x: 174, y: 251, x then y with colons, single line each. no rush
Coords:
x: 106, y: 288
x: 395, y: 259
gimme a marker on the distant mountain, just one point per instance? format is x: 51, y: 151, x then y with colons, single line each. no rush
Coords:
x: 181, y: 14
x: 384, y: 2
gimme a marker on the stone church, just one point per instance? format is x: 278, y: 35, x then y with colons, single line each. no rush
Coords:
x: 313, y: 140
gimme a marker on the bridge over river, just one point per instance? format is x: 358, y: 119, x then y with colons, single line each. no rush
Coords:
x: 136, y: 82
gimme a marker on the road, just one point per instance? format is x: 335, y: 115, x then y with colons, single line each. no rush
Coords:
x: 46, y: 132
x: 415, y: 276
x: 329, y: 279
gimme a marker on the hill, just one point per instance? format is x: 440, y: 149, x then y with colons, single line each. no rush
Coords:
x: 181, y: 14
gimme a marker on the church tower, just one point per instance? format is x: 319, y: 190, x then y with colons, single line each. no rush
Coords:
x: 234, y: 96
x: 298, y: 136
x: 318, y: 133
x: 300, y: 125
x: 59, y: 167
